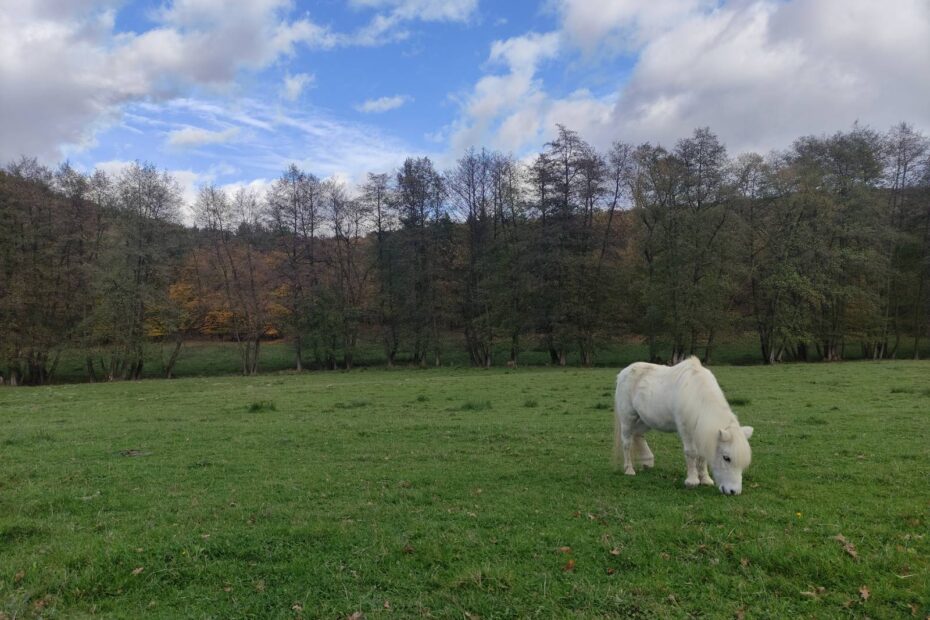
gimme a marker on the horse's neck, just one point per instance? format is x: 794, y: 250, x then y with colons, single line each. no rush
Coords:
x: 707, y: 430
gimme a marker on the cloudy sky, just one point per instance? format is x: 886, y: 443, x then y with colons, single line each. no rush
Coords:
x: 231, y: 92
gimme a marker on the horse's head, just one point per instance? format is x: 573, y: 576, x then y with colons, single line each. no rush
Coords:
x: 732, y: 457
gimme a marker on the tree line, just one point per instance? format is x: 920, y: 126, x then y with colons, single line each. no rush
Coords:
x: 816, y: 249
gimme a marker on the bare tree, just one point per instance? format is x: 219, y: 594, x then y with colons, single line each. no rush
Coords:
x: 236, y: 266
x: 294, y: 205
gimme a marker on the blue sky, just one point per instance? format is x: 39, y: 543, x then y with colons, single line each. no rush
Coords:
x: 231, y: 92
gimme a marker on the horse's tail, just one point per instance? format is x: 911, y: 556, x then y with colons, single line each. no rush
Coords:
x: 621, y: 398
x: 617, y: 457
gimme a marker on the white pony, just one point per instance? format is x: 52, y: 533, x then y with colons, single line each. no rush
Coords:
x: 686, y: 399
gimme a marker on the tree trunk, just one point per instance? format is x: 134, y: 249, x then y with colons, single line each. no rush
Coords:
x: 172, y: 360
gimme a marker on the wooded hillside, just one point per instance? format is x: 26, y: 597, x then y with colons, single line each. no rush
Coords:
x: 817, y: 249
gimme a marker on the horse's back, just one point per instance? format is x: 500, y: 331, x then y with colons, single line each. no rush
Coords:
x: 651, y: 391
x: 630, y: 377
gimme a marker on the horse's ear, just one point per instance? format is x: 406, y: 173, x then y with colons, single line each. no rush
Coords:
x: 725, y: 435
x: 747, y: 430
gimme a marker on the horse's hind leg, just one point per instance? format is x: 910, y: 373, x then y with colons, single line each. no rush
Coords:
x: 626, y: 443
x: 643, y: 453
x: 624, y: 424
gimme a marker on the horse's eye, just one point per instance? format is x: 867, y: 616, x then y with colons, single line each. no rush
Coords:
x: 727, y: 459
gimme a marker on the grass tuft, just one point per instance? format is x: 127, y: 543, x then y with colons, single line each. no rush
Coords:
x: 739, y: 402
x: 262, y: 405
x: 815, y: 421
x: 353, y: 404
x: 530, y: 403
x: 475, y: 405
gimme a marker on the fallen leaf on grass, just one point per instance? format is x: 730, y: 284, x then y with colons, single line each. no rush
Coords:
x: 138, y: 570
x: 848, y: 547
x: 387, y: 604
x: 741, y: 613
x: 42, y: 603
x: 565, y: 549
x: 569, y: 566
x: 408, y: 548
x: 744, y: 562
x: 19, y: 576
x: 357, y: 616
x: 615, y: 551
x: 865, y: 593
x: 297, y: 607
x: 611, y: 571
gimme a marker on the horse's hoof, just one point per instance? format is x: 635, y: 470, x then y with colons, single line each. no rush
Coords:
x: 692, y: 483
x: 630, y: 471
x: 708, y: 481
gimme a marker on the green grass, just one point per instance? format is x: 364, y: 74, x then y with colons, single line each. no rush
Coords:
x: 456, y: 494
x: 215, y: 358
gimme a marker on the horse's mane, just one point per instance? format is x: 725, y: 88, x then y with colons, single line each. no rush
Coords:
x: 709, y: 411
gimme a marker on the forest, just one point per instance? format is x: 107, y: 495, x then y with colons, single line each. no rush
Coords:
x: 813, y: 252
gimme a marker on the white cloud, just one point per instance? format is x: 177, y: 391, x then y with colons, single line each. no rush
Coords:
x: 514, y: 94
x: 113, y: 167
x: 271, y: 136
x: 65, y: 71
x: 294, y: 85
x: 386, y: 27
x: 196, y: 136
x: 425, y: 10
x: 760, y: 73
x: 522, y: 54
x: 259, y: 186
x: 624, y: 25
x: 383, y: 104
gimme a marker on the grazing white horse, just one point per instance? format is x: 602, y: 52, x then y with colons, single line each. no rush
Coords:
x: 686, y: 399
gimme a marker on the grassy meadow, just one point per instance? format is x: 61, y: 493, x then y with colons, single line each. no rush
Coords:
x: 459, y: 494
x: 210, y: 358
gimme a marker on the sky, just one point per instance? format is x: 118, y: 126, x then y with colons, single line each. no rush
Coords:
x: 231, y: 92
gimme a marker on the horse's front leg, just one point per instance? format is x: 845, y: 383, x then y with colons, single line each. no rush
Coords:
x: 691, y: 462
x: 703, y: 473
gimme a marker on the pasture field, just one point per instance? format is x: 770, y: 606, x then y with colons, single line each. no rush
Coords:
x: 207, y: 358
x: 459, y: 494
